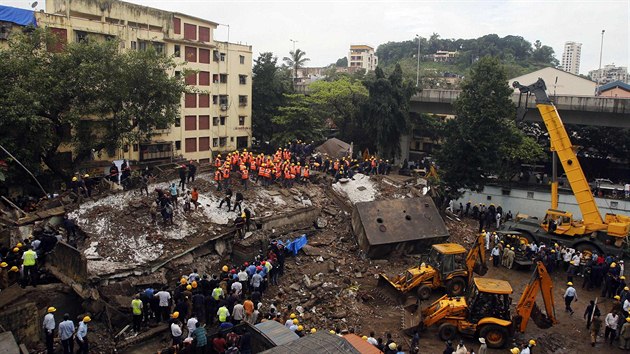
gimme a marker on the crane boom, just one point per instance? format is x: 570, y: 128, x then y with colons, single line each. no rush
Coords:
x: 561, y: 144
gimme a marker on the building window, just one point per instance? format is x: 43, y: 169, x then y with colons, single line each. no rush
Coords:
x: 215, y: 78
x: 204, y: 100
x: 191, y: 54
x: 80, y: 36
x: 231, y: 139
x: 204, y: 122
x: 204, y: 56
x: 241, y: 120
x: 60, y: 36
x: 204, y: 34
x: 204, y: 78
x: 178, y: 122
x: 215, y: 121
x: 177, y: 25
x: 159, y: 47
x: 223, y: 78
x: 178, y: 145
x: 191, y: 100
x: 222, y: 119
x: 215, y: 55
x: 177, y: 51
x: 190, y: 32
x: 190, y: 123
x: 178, y: 74
x: 215, y: 99
x: 215, y: 142
x: 222, y: 56
x: 191, y: 144
x: 142, y: 45
x: 242, y: 100
x: 241, y: 59
x: 204, y: 144
x: 135, y: 147
x: 222, y: 141
x: 191, y: 79
x: 242, y: 79
x: 223, y: 99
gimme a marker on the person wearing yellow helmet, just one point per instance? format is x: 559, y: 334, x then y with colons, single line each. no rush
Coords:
x: 49, y: 329
x: 624, y: 335
x: 81, y: 336
x: 313, y: 330
x: 569, y: 296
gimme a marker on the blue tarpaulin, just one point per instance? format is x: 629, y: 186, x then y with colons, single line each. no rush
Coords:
x: 297, y: 244
x: 18, y: 16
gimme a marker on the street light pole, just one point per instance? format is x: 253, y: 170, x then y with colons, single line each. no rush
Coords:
x: 418, y: 65
x: 294, y: 67
x: 601, y: 50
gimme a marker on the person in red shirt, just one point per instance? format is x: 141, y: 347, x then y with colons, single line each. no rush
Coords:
x: 219, y: 343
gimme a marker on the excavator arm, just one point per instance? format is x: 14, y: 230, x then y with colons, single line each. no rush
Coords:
x: 476, y: 258
x: 526, y: 308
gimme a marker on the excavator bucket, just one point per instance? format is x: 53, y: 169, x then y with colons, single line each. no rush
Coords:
x: 411, y: 318
x: 540, y: 319
x: 388, y: 293
x: 480, y: 269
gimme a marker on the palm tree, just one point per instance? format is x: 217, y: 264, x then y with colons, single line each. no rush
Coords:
x: 296, y: 60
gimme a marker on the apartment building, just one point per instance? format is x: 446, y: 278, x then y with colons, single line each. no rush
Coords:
x: 217, y: 117
x: 610, y: 73
x: 571, y: 57
x: 444, y: 56
x: 362, y: 57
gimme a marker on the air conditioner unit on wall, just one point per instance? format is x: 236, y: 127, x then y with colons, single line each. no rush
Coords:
x: 224, y: 107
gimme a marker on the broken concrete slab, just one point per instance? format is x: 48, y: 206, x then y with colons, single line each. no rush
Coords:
x: 311, y: 250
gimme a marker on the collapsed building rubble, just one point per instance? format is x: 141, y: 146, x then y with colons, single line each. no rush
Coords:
x: 331, y: 280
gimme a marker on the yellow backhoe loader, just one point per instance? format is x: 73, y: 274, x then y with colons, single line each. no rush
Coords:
x: 444, y: 267
x: 485, y: 311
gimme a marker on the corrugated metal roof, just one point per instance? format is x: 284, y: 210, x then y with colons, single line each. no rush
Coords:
x: 401, y: 220
x: 320, y: 343
x: 276, y: 332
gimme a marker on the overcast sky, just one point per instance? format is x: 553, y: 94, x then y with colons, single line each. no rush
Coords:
x: 326, y: 28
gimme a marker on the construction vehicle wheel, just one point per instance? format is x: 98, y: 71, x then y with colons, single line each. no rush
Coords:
x: 456, y: 286
x: 495, y: 335
x: 447, y: 331
x: 423, y: 292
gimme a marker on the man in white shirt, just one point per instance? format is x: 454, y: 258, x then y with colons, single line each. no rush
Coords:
x: 496, y: 256
x: 611, y: 321
x: 569, y: 295
x: 372, y: 340
x: 49, y: 329
x: 164, y: 297
x: 191, y: 325
x: 238, y: 313
x: 237, y: 287
x: 176, y: 334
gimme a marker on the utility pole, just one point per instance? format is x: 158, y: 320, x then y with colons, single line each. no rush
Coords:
x: 294, y: 65
x: 601, y: 50
x: 418, y: 65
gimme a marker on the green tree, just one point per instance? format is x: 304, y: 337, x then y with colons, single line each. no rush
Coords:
x: 342, y: 62
x: 45, y: 98
x: 296, y: 60
x: 387, y: 110
x: 340, y: 101
x: 482, y: 139
x: 297, y: 120
x: 270, y: 83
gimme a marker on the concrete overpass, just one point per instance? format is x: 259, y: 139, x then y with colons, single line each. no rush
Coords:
x: 583, y: 110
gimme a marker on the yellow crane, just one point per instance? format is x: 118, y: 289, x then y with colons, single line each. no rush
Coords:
x: 592, y: 232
